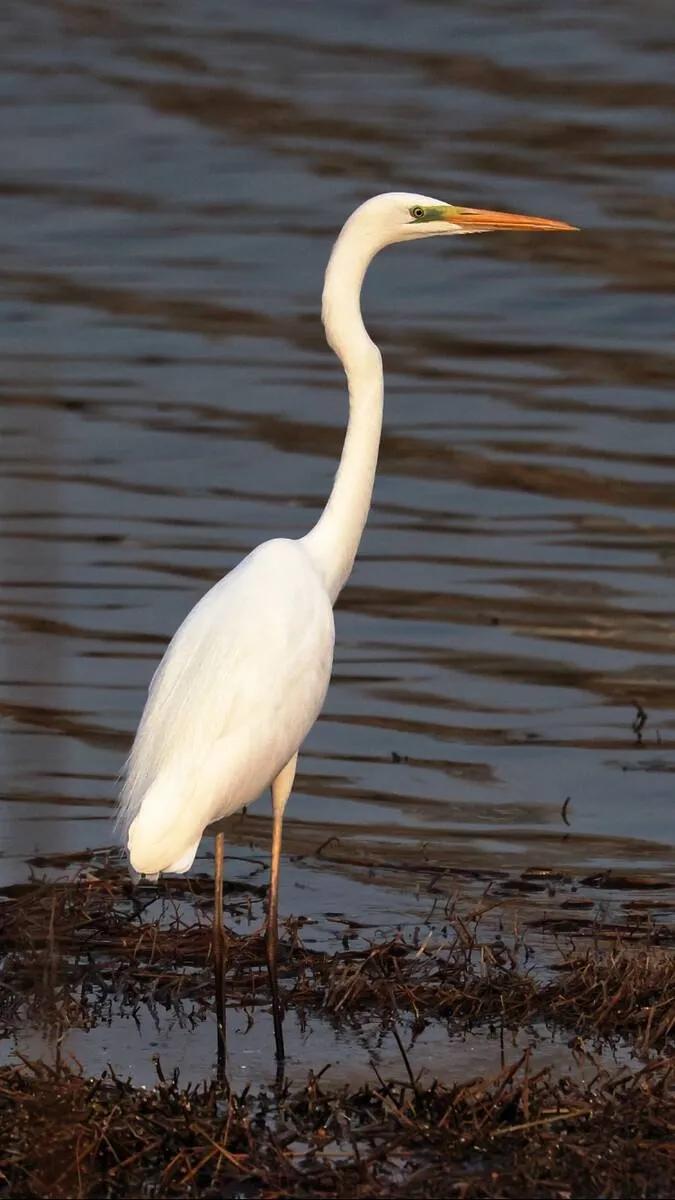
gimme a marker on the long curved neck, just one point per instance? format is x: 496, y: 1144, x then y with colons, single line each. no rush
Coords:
x: 334, y: 540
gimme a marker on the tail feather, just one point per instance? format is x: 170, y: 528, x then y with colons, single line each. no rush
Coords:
x: 183, y: 864
x: 163, y: 835
x: 129, y: 802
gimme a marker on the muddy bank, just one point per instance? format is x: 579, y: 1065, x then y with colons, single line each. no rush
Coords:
x: 518, y: 1134
x: 575, y: 970
x: 75, y: 951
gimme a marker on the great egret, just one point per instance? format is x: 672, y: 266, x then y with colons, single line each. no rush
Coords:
x: 244, y: 678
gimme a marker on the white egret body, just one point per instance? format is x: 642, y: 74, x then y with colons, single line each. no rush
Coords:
x: 240, y: 685
x: 245, y: 676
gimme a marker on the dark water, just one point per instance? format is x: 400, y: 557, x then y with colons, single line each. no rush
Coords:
x: 172, y: 177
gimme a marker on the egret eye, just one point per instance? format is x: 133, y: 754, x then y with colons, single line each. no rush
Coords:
x: 417, y: 212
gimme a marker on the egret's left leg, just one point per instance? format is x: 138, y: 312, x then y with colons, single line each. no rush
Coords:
x: 281, y: 790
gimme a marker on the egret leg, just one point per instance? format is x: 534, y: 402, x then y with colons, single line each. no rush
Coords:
x: 281, y: 790
x: 219, y: 951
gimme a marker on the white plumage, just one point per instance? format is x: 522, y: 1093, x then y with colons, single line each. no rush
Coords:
x: 240, y: 686
x: 244, y: 678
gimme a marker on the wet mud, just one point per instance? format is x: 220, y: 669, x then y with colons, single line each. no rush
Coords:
x: 573, y: 994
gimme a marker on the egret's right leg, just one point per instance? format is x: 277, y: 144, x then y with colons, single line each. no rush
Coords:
x: 281, y: 790
x: 219, y: 950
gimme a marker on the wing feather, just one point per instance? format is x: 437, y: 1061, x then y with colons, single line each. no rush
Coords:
x: 240, y: 685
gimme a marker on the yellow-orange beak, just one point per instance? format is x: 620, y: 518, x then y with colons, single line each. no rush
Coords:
x: 482, y: 220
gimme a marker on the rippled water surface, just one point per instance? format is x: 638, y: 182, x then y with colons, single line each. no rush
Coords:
x: 171, y: 180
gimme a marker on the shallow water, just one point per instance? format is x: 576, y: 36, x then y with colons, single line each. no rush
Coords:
x: 171, y: 185
x: 345, y: 1054
x: 139, y: 1011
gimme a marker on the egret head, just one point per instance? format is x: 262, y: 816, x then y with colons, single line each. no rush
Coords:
x: 381, y: 221
x: 405, y: 216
